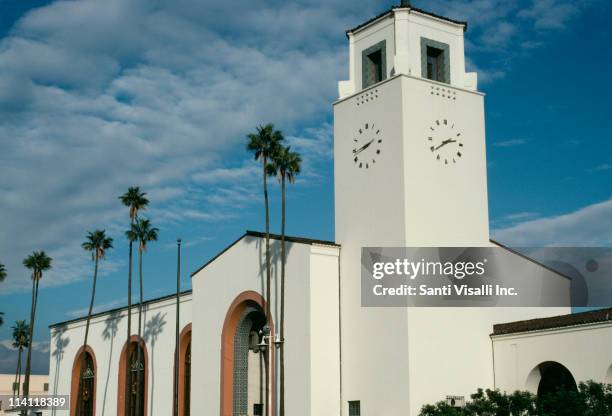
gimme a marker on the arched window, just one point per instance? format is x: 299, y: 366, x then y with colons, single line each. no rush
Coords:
x: 243, y: 363
x: 83, y: 390
x: 187, y: 382
x: 133, y: 379
x: 184, y: 372
x: 135, y: 395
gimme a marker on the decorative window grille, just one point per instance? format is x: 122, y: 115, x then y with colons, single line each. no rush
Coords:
x: 354, y: 408
x: 85, y: 398
x: 187, y: 383
x: 135, y: 382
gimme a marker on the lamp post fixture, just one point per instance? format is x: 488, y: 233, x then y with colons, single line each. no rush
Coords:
x: 267, y: 338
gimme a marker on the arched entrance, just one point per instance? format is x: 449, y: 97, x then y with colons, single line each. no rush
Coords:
x: 549, y: 377
x: 555, y: 377
x: 83, y: 385
x: 184, y: 376
x: 243, y: 365
x: 133, y: 378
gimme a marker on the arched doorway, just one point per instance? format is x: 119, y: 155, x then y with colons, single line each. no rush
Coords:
x: 83, y: 386
x: 555, y: 377
x: 184, y: 376
x: 133, y: 378
x: 243, y: 365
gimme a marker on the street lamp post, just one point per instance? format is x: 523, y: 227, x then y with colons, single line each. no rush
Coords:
x: 267, y: 336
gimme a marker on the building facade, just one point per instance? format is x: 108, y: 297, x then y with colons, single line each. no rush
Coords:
x: 410, y: 170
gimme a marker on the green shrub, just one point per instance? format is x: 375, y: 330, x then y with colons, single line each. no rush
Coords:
x: 591, y: 399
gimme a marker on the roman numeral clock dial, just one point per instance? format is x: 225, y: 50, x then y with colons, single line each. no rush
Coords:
x: 366, y: 146
x: 445, y: 142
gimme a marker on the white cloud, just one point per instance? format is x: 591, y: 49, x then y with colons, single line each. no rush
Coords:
x: 588, y: 226
x: 510, y: 143
x: 79, y: 313
x: 155, y: 95
x: 99, y: 96
x: 551, y: 14
x: 601, y: 168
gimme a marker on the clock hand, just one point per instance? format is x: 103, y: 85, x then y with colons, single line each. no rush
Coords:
x: 445, y: 142
x: 362, y: 148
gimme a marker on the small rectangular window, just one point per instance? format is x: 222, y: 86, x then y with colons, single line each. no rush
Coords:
x: 257, y: 409
x: 435, y: 61
x: 373, y: 64
x: 354, y: 408
x: 46, y: 387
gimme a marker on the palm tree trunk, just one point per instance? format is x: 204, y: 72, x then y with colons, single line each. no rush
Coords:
x: 282, y: 302
x: 268, y: 279
x: 91, y: 303
x: 138, y: 372
x: 18, y: 372
x: 28, y: 369
x: 176, y: 331
x: 129, y: 316
x: 129, y: 310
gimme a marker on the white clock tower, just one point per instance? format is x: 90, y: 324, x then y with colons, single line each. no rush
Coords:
x: 410, y: 170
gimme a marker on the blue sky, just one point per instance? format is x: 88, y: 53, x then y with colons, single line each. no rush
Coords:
x: 98, y: 96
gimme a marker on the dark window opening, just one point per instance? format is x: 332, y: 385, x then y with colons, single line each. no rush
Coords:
x: 187, y: 381
x: 135, y: 382
x: 354, y: 408
x: 86, y: 391
x: 374, y: 67
x: 373, y: 64
x: 435, y: 64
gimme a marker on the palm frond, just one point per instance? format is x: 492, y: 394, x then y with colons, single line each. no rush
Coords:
x: 2, y: 272
x: 264, y: 142
x: 97, y: 242
x: 143, y: 232
x: 21, y: 334
x: 285, y: 164
x: 135, y: 200
x: 37, y: 262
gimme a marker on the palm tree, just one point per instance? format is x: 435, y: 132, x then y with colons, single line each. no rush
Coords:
x: 37, y: 262
x: 263, y: 144
x: 142, y: 232
x: 286, y: 166
x: 136, y: 201
x: 97, y: 243
x: 20, y: 340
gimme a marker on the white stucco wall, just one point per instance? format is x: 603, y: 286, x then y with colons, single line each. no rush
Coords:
x: 584, y: 350
x: 395, y: 360
x: 107, y: 337
x: 312, y: 338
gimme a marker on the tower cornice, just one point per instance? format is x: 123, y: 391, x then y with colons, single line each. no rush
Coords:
x: 410, y: 9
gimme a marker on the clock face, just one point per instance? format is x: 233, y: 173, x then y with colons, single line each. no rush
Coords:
x: 445, y: 142
x: 366, y: 146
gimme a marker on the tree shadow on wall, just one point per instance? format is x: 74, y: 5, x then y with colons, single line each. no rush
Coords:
x: 153, y: 328
x: 111, y: 326
x: 60, y: 342
x: 275, y: 267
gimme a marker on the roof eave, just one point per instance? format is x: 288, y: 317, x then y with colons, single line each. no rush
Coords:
x: 389, y: 12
